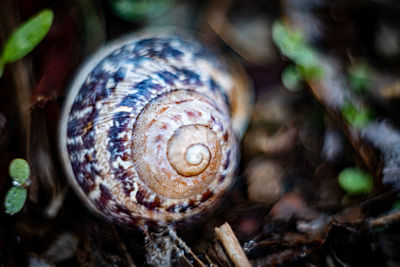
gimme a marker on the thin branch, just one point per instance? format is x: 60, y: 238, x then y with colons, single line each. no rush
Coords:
x: 385, y: 219
x: 228, y: 239
x: 182, y: 244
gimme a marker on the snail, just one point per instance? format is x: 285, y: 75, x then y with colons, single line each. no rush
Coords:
x: 150, y: 128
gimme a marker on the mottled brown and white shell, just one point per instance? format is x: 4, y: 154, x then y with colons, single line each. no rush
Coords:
x: 150, y: 127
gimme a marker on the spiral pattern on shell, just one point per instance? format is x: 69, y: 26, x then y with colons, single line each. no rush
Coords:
x: 146, y: 132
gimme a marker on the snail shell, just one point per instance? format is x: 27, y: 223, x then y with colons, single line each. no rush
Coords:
x: 149, y: 129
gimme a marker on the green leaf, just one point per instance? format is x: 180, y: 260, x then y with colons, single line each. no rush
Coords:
x: 27, y: 36
x: 357, y: 118
x: 19, y: 170
x: 293, y: 45
x: 287, y: 40
x: 15, y: 200
x: 355, y: 181
x: 291, y: 78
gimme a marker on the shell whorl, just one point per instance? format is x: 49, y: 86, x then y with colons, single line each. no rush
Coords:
x: 188, y: 152
x: 146, y: 131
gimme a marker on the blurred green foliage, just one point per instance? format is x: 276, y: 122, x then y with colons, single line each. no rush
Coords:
x: 355, y: 181
x: 291, y: 78
x: 356, y: 117
x: 288, y: 41
x: 133, y: 10
x: 292, y: 44
x: 359, y: 76
x: 26, y: 37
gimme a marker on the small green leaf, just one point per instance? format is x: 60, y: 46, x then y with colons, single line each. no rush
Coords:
x: 15, y: 200
x: 288, y: 41
x: 291, y: 78
x: 293, y: 45
x: 27, y: 36
x: 357, y: 118
x: 19, y: 170
x: 355, y: 181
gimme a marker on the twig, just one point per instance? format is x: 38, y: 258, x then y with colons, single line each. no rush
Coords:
x: 208, y: 259
x: 337, y: 258
x: 325, y: 91
x: 182, y: 255
x: 385, y: 219
x: 182, y: 244
x: 231, y: 245
x: 377, y: 142
x: 218, y: 254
